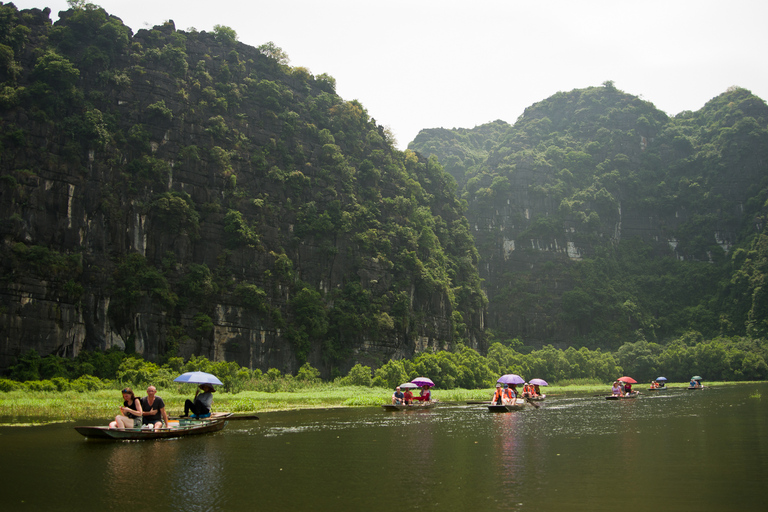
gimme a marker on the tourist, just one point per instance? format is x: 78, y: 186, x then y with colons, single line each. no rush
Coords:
x: 498, y: 396
x: 130, y: 412
x: 408, y: 397
x: 616, y: 389
x: 153, y: 409
x: 397, y: 396
x: 627, y: 389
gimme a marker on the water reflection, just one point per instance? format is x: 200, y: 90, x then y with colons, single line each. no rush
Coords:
x: 677, y: 452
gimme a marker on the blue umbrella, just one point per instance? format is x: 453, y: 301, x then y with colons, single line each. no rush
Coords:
x: 661, y: 378
x: 197, y: 378
x: 511, y: 378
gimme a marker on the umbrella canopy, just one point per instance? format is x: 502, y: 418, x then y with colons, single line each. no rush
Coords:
x: 408, y: 385
x: 197, y: 378
x: 511, y: 378
x: 628, y: 379
x: 423, y: 381
x: 696, y: 377
x: 659, y: 379
x: 539, y: 382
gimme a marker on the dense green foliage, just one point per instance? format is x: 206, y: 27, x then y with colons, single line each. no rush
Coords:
x: 225, y: 176
x: 586, y: 168
x: 721, y: 359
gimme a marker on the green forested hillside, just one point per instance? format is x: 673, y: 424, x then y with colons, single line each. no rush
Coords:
x: 600, y: 220
x: 179, y: 193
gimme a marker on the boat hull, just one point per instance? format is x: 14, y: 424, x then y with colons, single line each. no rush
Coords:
x: 519, y: 405
x: 414, y: 407
x: 622, y: 397
x: 694, y: 389
x: 194, y: 427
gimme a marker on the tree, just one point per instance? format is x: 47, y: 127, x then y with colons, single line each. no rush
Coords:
x: 225, y: 35
x: 273, y: 51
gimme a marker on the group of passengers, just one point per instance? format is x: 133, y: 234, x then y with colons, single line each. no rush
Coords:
x: 406, y: 398
x: 658, y: 385
x: 149, y: 411
x: 507, y: 394
x: 621, y: 388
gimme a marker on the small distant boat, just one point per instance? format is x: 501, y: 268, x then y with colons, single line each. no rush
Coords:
x: 185, y: 427
x: 623, y: 397
x: 539, y: 398
x: 658, y: 389
x: 416, y: 406
x: 517, y: 406
x: 694, y: 388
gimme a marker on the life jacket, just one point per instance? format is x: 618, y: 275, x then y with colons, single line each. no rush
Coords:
x: 497, y: 396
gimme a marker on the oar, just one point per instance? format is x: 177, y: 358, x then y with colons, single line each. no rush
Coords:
x: 528, y: 399
x: 245, y: 417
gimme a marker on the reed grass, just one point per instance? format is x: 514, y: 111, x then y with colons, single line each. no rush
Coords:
x: 39, y: 407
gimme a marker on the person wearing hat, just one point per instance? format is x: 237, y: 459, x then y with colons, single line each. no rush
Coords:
x: 202, y: 403
x: 498, y: 396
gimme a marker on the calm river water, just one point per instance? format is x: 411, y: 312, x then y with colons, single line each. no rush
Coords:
x: 681, y: 450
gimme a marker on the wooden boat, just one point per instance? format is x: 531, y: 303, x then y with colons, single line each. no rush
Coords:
x: 519, y: 405
x: 691, y: 388
x: 185, y: 427
x: 539, y: 398
x: 623, y: 397
x: 416, y: 406
x: 658, y: 389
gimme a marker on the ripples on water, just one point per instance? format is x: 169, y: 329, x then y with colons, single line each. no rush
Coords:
x: 670, y: 451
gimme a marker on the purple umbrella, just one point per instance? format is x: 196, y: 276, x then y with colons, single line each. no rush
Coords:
x: 423, y: 381
x: 511, y: 378
x: 539, y: 382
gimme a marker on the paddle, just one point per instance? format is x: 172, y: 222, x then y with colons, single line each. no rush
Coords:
x: 528, y: 399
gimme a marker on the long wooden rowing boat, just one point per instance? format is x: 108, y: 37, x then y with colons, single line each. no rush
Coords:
x: 689, y: 388
x: 623, y: 397
x: 416, y: 406
x: 517, y: 406
x: 185, y: 427
x: 658, y: 389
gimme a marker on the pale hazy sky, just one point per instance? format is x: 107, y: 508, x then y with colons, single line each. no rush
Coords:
x: 417, y: 64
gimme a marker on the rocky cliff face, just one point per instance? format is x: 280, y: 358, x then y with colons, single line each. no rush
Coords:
x: 183, y: 193
x: 584, y: 175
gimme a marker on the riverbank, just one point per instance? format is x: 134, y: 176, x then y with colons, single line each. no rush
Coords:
x: 30, y: 407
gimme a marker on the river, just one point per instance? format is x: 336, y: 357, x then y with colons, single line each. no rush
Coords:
x: 693, y: 451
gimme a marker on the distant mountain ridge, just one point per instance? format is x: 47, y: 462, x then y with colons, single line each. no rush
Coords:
x: 594, y: 196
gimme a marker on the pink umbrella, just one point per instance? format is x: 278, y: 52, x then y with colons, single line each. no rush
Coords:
x: 423, y: 381
x: 539, y: 382
x: 511, y: 378
x: 628, y: 379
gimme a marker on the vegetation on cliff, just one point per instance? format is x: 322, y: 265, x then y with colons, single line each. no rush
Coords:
x: 178, y: 193
x: 601, y: 220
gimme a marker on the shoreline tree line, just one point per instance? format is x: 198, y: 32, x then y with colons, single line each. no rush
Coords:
x: 721, y: 358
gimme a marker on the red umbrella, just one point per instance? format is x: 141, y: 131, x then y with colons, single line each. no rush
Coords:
x: 628, y: 379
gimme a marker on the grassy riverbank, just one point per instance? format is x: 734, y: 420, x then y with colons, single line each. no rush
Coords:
x: 30, y: 407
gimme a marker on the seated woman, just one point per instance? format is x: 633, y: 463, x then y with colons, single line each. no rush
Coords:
x: 425, y: 395
x: 130, y: 412
x: 616, y: 389
x: 627, y: 389
x: 202, y: 403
